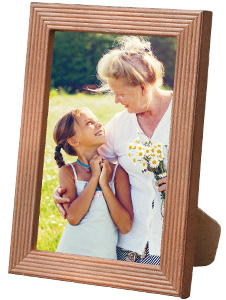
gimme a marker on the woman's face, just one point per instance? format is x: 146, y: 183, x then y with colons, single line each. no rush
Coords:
x: 131, y: 97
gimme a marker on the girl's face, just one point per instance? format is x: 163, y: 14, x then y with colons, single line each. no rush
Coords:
x: 132, y: 97
x: 89, y: 132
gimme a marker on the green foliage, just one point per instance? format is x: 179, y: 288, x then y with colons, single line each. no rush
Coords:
x: 76, y: 54
x: 53, y: 93
x: 51, y: 224
x: 165, y: 50
x: 75, y: 57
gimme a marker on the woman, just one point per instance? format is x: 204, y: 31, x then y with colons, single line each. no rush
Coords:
x: 135, y: 76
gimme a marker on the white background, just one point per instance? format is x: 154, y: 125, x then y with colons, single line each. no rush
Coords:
x: 207, y: 281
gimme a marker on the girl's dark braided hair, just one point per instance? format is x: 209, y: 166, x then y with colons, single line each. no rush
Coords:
x: 64, y: 130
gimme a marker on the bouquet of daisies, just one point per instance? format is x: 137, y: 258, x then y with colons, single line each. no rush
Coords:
x: 150, y: 156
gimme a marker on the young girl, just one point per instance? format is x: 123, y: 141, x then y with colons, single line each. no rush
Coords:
x: 99, y: 192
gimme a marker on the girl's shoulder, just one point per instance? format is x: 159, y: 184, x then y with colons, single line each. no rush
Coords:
x: 66, y: 170
x: 113, y: 166
x: 119, y: 172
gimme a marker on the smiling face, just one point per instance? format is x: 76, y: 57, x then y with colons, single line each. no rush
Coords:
x: 89, y: 131
x: 131, y: 97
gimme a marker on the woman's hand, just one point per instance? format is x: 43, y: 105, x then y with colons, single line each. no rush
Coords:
x: 161, y: 183
x: 106, y: 172
x: 59, y: 200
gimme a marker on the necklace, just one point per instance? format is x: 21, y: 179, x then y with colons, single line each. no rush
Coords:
x: 88, y: 170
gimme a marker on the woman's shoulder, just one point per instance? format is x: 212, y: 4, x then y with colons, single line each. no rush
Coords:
x: 118, y: 121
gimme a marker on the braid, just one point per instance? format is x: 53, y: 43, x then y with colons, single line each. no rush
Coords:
x: 59, y: 157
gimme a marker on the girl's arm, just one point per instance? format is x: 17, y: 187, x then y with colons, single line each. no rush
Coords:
x: 119, y: 205
x: 78, y: 207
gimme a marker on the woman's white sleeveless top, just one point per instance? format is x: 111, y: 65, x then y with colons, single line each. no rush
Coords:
x: 96, y: 235
x: 121, y: 130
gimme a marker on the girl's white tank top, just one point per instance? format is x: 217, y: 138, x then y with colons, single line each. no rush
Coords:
x: 96, y: 235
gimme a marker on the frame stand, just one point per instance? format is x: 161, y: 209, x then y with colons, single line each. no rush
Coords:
x: 207, y: 239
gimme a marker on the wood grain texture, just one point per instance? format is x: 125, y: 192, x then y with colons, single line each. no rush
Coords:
x: 192, y: 29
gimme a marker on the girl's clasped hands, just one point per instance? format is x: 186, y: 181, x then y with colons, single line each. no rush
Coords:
x: 101, y: 169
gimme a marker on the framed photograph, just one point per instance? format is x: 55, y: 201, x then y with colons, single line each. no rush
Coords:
x: 188, y: 32
x: 73, y: 86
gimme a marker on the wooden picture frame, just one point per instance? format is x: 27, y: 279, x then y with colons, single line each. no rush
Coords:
x: 192, y: 30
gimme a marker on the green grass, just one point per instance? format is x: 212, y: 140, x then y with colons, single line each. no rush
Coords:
x: 51, y: 224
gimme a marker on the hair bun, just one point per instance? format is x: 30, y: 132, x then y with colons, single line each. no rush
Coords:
x: 134, y: 44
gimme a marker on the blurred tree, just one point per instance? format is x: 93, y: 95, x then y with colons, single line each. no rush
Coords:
x: 164, y: 48
x: 75, y: 57
x: 76, y: 54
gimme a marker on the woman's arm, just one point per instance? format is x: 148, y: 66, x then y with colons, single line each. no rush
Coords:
x: 78, y: 207
x: 59, y: 200
x: 119, y: 205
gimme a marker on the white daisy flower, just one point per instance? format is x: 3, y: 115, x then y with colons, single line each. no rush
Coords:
x: 147, y: 151
x: 130, y: 154
x: 154, y: 162
x: 138, y: 154
x: 161, y: 157
x: 162, y: 175
x: 144, y: 165
x: 157, y: 144
x: 158, y: 151
x: 152, y: 150
x: 134, y: 160
x: 139, y: 151
x: 130, y: 146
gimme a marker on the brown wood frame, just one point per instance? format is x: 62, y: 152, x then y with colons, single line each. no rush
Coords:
x: 192, y: 29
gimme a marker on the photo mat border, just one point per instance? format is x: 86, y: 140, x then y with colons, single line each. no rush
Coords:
x: 192, y: 30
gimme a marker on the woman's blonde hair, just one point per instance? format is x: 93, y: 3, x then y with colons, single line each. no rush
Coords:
x: 132, y: 60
